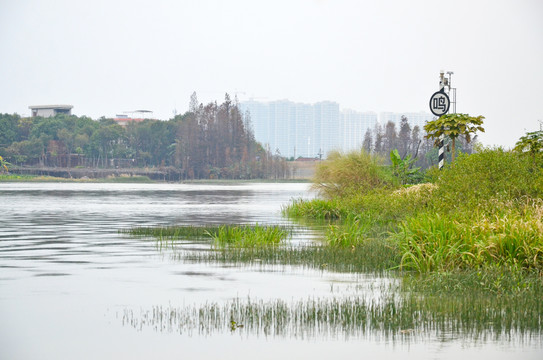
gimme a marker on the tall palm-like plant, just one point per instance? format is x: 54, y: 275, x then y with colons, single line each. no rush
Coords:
x: 454, y: 125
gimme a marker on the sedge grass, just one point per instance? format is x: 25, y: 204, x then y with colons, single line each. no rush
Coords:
x: 406, y: 316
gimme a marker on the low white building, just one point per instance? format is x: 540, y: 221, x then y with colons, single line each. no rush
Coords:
x: 50, y: 110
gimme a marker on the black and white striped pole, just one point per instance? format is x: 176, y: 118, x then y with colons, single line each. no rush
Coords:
x: 439, y: 105
x: 441, y: 155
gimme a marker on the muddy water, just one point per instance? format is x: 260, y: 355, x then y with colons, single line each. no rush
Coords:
x: 67, y: 278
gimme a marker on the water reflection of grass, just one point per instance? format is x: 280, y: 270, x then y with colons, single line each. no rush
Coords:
x: 372, y: 257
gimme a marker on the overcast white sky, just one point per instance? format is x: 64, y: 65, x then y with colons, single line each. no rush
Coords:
x: 106, y: 56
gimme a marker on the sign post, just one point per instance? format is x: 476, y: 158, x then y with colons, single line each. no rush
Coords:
x: 439, y: 105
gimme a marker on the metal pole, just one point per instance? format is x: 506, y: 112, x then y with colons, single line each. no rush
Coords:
x: 441, y: 154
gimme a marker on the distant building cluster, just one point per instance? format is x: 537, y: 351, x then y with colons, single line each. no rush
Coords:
x: 312, y: 130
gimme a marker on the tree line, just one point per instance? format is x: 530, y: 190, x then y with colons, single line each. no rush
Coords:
x: 408, y: 140
x: 208, y: 141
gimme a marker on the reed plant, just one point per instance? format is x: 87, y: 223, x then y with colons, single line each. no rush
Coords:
x: 407, y: 317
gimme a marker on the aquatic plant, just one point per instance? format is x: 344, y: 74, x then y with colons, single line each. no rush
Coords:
x: 226, y: 235
x: 249, y: 235
x: 173, y: 232
x: 398, y: 317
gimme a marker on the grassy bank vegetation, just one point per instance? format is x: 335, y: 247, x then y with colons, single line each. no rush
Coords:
x: 481, y: 213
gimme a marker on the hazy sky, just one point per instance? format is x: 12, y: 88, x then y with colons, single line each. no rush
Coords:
x: 107, y: 57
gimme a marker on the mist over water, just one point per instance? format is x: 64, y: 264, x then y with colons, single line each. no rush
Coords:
x: 68, y: 279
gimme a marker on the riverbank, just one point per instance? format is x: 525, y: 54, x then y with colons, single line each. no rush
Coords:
x: 299, y: 170
x: 124, y: 178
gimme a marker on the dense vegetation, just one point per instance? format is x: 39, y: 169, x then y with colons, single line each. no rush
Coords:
x: 484, y: 211
x: 211, y: 141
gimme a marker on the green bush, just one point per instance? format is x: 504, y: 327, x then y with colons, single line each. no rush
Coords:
x: 488, y: 174
x: 343, y: 175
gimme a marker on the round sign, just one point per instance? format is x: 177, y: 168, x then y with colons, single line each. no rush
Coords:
x: 439, y: 103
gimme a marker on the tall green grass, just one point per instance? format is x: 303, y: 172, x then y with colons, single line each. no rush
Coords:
x: 512, y: 238
x: 226, y: 235
x: 244, y: 236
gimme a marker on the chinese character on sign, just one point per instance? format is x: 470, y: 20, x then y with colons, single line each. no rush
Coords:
x: 439, y: 103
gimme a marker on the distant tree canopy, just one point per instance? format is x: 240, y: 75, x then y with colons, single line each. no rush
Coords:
x: 211, y: 141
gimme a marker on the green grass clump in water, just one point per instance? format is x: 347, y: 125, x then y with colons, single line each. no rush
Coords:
x: 173, y: 232
x: 223, y: 235
x: 249, y: 236
x: 314, y: 209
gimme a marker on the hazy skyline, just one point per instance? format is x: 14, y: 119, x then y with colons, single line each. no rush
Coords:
x: 107, y: 57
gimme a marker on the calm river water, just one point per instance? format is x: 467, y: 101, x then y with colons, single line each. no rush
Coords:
x: 68, y: 278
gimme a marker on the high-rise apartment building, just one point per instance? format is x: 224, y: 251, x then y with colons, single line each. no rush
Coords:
x: 415, y: 118
x: 313, y: 130
x: 353, y: 127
